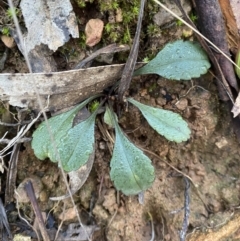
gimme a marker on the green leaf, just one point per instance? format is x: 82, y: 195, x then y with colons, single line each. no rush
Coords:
x: 131, y: 170
x: 107, y: 117
x: 178, y: 60
x: 59, y: 125
x: 166, y: 123
x: 77, y: 146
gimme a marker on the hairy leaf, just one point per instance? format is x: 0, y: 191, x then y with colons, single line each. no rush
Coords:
x: 131, y: 169
x: 166, y: 123
x: 178, y: 60
x: 59, y: 125
x: 77, y: 146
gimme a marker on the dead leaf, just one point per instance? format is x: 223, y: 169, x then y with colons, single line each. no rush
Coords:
x: 236, y: 107
x: 64, y: 88
x: 93, y: 31
x: 77, y: 233
x: 77, y: 178
x: 48, y: 22
x: 231, y: 12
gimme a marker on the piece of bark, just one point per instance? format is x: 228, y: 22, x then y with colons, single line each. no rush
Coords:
x: 211, y: 24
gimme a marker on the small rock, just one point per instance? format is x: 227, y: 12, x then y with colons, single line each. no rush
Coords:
x: 68, y: 214
x: 221, y: 143
x: 182, y: 104
x: 102, y: 145
x: 163, y: 17
x: 161, y: 101
x: 93, y: 31
x: 100, y: 212
x: 8, y: 41
x: 110, y: 202
x: 43, y: 196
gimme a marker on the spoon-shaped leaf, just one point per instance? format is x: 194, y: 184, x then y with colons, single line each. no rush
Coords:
x: 178, y: 60
x: 76, y: 147
x: 59, y: 125
x: 165, y: 122
x: 131, y: 169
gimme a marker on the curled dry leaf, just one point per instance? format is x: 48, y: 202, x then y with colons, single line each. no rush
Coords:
x: 65, y: 89
x: 77, y: 178
x: 93, y: 31
x: 48, y: 22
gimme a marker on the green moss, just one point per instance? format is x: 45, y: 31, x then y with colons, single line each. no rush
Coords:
x: 10, y: 12
x: 82, y: 40
x: 5, y: 31
x: 193, y: 17
x: 153, y: 29
x: 152, y: 87
x: 93, y: 106
x: 82, y: 3
x: 121, y: 32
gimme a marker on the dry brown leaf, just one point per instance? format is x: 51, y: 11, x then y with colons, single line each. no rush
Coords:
x: 64, y: 88
x: 231, y: 12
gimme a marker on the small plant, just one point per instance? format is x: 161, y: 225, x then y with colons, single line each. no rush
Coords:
x: 93, y: 106
x: 153, y: 29
x: 11, y: 11
x: 179, y: 23
x: 131, y: 170
x: 146, y: 60
x: 193, y: 17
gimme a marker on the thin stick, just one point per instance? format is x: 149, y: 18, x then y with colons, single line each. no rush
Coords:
x: 183, y: 231
x: 25, y: 220
x: 132, y: 58
x: 31, y: 195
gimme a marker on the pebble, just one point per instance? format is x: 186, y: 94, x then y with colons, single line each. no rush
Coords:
x: 93, y: 31
x: 182, y: 104
x: 8, y: 41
